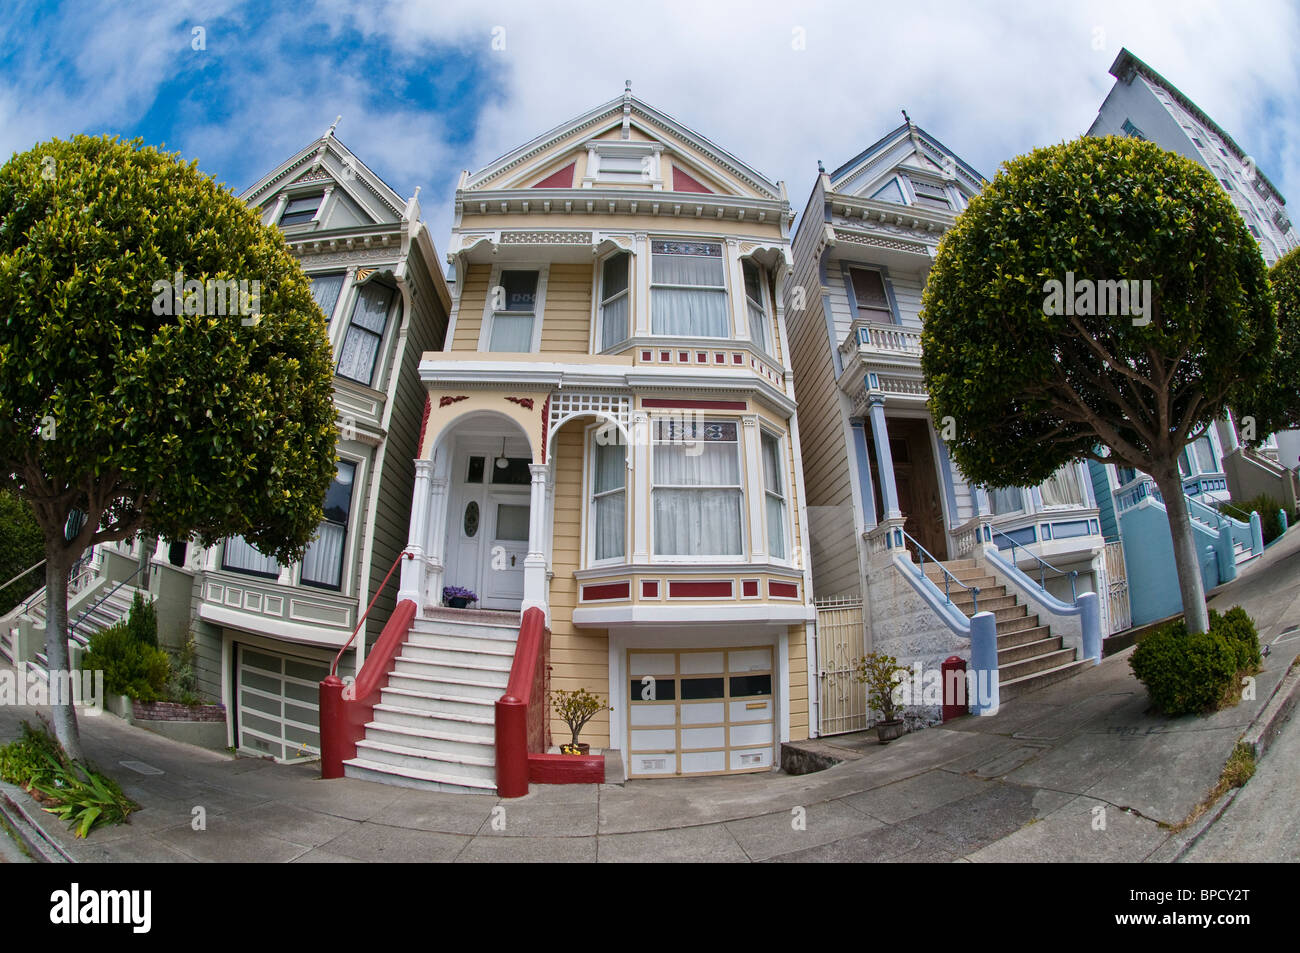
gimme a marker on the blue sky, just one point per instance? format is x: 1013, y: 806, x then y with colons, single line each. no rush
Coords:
x: 427, y: 89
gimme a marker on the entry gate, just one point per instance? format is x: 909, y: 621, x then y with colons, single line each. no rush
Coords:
x: 843, y: 700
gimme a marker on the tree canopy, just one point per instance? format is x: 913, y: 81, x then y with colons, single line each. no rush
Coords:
x: 137, y: 384
x: 1276, y: 405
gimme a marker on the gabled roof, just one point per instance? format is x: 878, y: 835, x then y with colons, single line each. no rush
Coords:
x: 329, y: 161
x: 1126, y: 65
x: 926, y: 153
x: 628, y: 115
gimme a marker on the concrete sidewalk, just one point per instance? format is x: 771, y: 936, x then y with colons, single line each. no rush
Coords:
x: 1078, y: 771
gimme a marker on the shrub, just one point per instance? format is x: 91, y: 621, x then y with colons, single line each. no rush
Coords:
x: 882, y: 675
x: 1188, y: 673
x: 130, y: 667
x: 142, y: 623
x: 1269, y: 509
x: 26, y: 759
x: 183, y: 685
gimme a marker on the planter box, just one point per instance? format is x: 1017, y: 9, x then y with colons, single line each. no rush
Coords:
x: 201, y: 725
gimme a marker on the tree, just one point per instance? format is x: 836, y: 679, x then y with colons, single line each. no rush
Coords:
x: 1100, y: 300
x: 138, y: 387
x: 21, y: 548
x: 1276, y: 402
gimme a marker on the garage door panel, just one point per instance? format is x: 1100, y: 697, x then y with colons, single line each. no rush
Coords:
x: 279, y: 714
x: 656, y: 664
x: 752, y: 734
x: 741, y: 711
x: 707, y: 713
x: 644, y: 716
x: 715, y: 737
x: 749, y: 660
x: 703, y: 762
x: 702, y: 663
x: 647, y: 740
x: 742, y: 760
x: 652, y: 764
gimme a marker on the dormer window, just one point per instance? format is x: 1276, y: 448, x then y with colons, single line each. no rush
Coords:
x: 620, y: 162
x: 931, y: 195
x: 301, y: 210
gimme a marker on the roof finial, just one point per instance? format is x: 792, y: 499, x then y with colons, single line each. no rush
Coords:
x: 627, y: 87
x: 820, y: 167
x: 626, y: 131
x: 906, y: 118
x: 329, y: 132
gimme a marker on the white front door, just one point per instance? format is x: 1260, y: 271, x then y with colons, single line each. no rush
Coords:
x: 503, y: 578
x: 487, y: 523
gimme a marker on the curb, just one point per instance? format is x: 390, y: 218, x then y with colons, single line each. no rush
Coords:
x: 28, y: 828
x: 1263, y: 731
x: 1190, y: 835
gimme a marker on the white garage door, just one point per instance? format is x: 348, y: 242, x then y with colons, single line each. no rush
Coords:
x: 278, y: 697
x: 700, y: 711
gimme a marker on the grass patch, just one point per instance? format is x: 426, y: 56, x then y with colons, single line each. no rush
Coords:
x: 1239, y: 769
x: 13, y: 836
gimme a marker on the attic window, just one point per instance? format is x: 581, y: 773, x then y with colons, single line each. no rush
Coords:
x: 1131, y: 130
x: 622, y: 163
x: 301, y: 210
x: 934, y: 196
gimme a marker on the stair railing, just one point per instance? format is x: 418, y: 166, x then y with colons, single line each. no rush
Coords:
x: 334, y: 669
x: 948, y: 578
x: 72, y: 629
x: 1043, y: 565
x: 21, y: 574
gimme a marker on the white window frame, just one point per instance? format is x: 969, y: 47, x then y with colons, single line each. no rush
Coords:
x: 589, y: 494
x: 377, y: 373
x: 600, y: 302
x: 639, y: 150
x: 915, y: 197
x: 858, y: 307
x: 539, y: 309
x: 783, y: 475
x: 1083, y: 491
x: 740, y: 485
x: 347, y: 534
x: 279, y: 219
x: 725, y: 288
x: 766, y: 346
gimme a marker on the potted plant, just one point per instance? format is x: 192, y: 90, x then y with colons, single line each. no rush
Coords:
x: 879, y: 673
x: 458, y: 597
x: 575, y: 709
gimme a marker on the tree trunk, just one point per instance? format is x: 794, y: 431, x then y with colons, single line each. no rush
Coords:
x: 1186, y: 559
x: 64, y: 715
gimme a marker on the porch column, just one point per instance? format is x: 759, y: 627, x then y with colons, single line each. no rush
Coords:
x: 860, y: 457
x: 884, y: 459
x: 412, y: 578
x: 435, y: 534
x: 535, y: 561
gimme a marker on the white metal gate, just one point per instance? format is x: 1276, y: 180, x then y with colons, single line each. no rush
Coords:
x: 1118, y: 611
x: 842, y: 699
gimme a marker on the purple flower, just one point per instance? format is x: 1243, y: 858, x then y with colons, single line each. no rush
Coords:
x: 458, y: 592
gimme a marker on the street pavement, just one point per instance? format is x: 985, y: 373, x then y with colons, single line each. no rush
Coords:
x: 1077, y: 771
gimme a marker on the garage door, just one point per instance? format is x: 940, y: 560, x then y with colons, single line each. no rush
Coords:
x: 700, y: 711
x: 279, y: 712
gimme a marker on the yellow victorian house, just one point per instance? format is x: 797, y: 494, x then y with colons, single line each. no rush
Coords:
x: 611, y: 440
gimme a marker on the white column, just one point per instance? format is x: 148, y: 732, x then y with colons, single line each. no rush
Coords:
x: 754, y: 491
x: 413, y: 570
x: 739, y: 311
x: 884, y: 457
x: 435, y: 536
x: 535, y: 561
x: 639, y: 285
x: 640, y: 502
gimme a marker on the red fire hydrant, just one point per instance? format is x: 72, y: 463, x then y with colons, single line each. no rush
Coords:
x: 953, y: 672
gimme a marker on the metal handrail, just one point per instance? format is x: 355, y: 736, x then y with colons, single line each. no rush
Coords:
x: 947, y: 595
x: 23, y: 573
x: 334, y: 669
x: 1043, y: 566
x: 81, y: 567
x: 72, y: 629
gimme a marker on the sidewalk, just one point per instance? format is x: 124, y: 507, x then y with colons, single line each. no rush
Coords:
x: 1078, y: 771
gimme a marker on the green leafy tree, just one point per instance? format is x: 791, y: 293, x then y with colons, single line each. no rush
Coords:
x: 21, y: 548
x: 1276, y: 402
x: 1033, y: 381
x: 144, y: 407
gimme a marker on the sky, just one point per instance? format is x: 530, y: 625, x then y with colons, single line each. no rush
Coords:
x: 427, y: 88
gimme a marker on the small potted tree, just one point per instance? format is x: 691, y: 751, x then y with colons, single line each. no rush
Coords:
x: 458, y: 597
x: 575, y: 709
x: 879, y: 673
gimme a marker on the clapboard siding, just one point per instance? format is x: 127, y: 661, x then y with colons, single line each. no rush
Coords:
x: 566, y: 321
x: 580, y: 657
x: 469, y: 308
x: 798, y: 702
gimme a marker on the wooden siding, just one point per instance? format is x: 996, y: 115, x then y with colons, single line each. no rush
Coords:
x: 566, y: 321
x: 469, y: 311
x: 580, y: 657
x: 798, y: 654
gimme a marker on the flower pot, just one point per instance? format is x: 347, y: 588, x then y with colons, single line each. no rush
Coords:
x: 583, y: 748
x: 887, y: 731
x: 459, y: 602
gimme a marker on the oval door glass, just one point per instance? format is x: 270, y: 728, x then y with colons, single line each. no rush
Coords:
x: 471, y: 519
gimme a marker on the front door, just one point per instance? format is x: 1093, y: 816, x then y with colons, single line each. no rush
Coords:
x: 503, y: 579
x: 487, y: 525
x: 916, y: 480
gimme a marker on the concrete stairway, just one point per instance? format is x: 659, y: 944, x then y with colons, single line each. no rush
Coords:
x: 1029, y: 656
x: 435, y: 724
x: 84, y: 620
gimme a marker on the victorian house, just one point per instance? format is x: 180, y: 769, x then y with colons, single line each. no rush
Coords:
x: 904, y: 548
x: 610, y: 442
x: 266, y: 634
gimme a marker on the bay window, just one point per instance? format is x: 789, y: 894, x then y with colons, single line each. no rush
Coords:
x: 322, y: 565
x: 1063, y: 488
x: 869, y: 295
x: 697, y: 492
x: 238, y: 556
x: 614, y: 300
x: 609, y: 501
x: 756, y: 302
x: 325, y: 289
x: 514, y: 312
x: 360, y: 351
x: 688, y: 290
x: 773, y: 488
x: 1005, y: 499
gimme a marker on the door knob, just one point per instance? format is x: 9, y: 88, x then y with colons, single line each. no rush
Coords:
x: 512, y: 559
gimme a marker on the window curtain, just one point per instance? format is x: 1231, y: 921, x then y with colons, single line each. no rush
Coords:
x: 757, y: 312
x: 697, y: 497
x: 1063, y: 488
x: 1007, y: 499
x: 1205, y: 455
x: 610, y: 501
x: 512, y: 333
x: 325, y: 289
x: 614, y: 301
x: 242, y: 557
x: 365, y: 333
x: 323, y: 562
x: 697, y: 310
x: 772, y: 485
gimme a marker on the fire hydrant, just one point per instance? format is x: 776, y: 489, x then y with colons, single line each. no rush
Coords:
x: 953, y: 673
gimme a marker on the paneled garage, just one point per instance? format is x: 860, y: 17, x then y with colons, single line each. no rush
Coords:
x: 700, y: 711
x: 278, y: 703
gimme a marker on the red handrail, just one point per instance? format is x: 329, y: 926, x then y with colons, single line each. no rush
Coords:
x: 334, y: 669
x: 521, y: 713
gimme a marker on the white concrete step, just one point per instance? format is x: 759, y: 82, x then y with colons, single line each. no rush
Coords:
x: 494, y: 660
x: 493, y: 628
x: 463, y: 643
x: 476, y: 726
x: 425, y: 780
x: 459, y: 671
x: 468, y: 688
x: 457, y: 768
x: 439, y: 744
x: 442, y: 702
